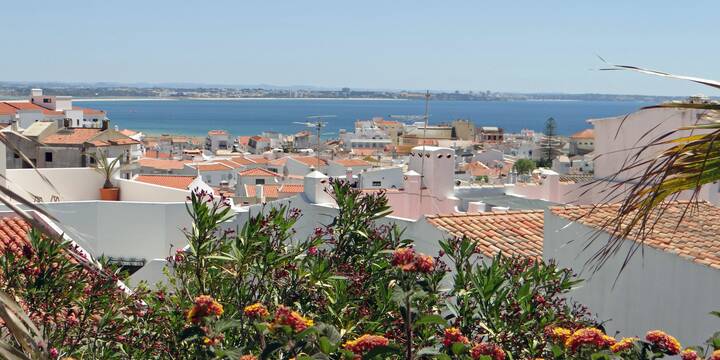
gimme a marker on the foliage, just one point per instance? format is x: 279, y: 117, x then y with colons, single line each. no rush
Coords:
x: 106, y: 167
x: 354, y: 288
x: 524, y: 166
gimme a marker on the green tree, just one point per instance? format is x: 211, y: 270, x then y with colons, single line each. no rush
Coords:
x: 524, y: 166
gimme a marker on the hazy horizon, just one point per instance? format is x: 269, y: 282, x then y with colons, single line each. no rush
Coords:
x: 518, y: 47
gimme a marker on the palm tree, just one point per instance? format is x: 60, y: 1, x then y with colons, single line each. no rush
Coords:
x: 690, y: 159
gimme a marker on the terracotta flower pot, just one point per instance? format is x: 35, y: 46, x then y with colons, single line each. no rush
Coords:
x: 110, y: 194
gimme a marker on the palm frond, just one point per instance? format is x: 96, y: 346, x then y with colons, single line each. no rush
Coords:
x: 671, y: 165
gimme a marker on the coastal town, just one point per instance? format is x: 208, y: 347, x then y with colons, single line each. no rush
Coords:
x: 526, y: 194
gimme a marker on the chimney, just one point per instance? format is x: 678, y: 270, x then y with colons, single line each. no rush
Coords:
x: 476, y: 206
x: 36, y: 92
x: 259, y: 193
x: 349, y: 175
x: 105, y: 124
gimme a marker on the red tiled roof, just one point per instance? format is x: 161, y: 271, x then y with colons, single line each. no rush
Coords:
x: 13, y: 234
x: 258, y: 172
x: 230, y: 163
x: 243, y: 140
x: 269, y: 191
x: 260, y: 138
x: 278, y: 162
x: 211, y: 167
x: 696, y: 239
x: 292, y: 188
x: 76, y: 136
x: 217, y: 132
x: 128, y: 132
x: 352, y: 162
x: 242, y: 160
x: 161, y: 164
x: 25, y: 105
x: 123, y: 141
x: 585, y: 134
x: 310, y: 161
x: 258, y: 159
x: 512, y: 232
x: 99, y: 143
x: 87, y: 111
x: 181, y: 182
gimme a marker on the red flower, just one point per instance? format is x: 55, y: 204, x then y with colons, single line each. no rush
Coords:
x: 365, y: 343
x: 623, y: 344
x: 453, y: 335
x: 204, y: 306
x: 492, y: 350
x: 689, y: 354
x: 313, y: 250
x: 248, y: 357
x: 588, y: 337
x: 663, y: 341
x: 424, y: 263
x: 286, y: 317
x: 715, y: 355
x: 256, y: 310
x: 404, y: 258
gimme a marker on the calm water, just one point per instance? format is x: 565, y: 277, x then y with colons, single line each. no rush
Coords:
x: 250, y: 117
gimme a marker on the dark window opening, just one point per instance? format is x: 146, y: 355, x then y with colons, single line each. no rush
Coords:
x: 48, y: 156
x: 259, y: 181
x: 377, y: 183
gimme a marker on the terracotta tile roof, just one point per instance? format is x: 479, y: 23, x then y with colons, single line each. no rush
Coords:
x: 123, y: 141
x: 310, y: 161
x: 243, y: 140
x: 697, y: 238
x: 99, y: 143
x: 258, y: 172
x: 128, y: 132
x: 8, y: 107
x: 217, y: 132
x: 269, y: 191
x: 157, y: 154
x: 242, y: 160
x: 181, y: 182
x: 230, y: 163
x: 211, y: 167
x: 368, y: 152
x: 278, y: 162
x: 13, y: 234
x: 76, y: 136
x: 292, y: 188
x: 585, y: 134
x: 258, y: 159
x: 576, y: 179
x: 162, y: 164
x: 87, y: 111
x: 260, y: 138
x: 352, y: 162
x: 512, y: 232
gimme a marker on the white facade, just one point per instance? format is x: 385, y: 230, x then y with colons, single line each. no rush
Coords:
x: 381, y: 178
x: 657, y: 290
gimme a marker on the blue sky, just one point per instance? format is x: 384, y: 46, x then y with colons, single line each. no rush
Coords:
x: 523, y: 46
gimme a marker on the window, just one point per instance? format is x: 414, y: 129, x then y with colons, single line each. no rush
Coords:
x: 16, y: 155
x: 377, y: 183
x: 48, y: 156
x: 47, y: 100
x: 259, y: 181
x: 92, y: 160
x: 208, y: 178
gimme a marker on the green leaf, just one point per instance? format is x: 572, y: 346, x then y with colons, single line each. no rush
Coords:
x: 431, y: 319
x: 325, y: 345
x: 270, y: 349
x: 458, y: 348
x: 381, y: 350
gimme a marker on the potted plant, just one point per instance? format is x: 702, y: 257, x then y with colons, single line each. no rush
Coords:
x: 107, y: 168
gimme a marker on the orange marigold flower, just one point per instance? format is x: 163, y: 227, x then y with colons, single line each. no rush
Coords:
x: 248, y: 357
x: 492, y: 350
x: 293, y: 319
x: 365, y: 343
x: 453, y: 335
x: 256, y: 310
x: 558, y: 334
x: 424, y: 263
x: 663, y: 341
x: 204, y: 306
x: 404, y: 258
x: 588, y: 337
x: 689, y: 354
x: 623, y: 344
x: 715, y: 355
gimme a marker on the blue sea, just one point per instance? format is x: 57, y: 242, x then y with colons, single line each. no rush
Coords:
x: 251, y: 117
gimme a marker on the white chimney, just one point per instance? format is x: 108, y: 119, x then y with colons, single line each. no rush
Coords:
x: 499, y: 209
x: 476, y: 206
x: 412, y: 182
x: 316, y: 184
x: 349, y: 175
x: 259, y: 193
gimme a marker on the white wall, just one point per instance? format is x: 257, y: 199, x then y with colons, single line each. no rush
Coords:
x: 657, y: 290
x: 138, y: 191
x: 72, y: 184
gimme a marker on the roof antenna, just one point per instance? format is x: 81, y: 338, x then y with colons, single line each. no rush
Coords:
x: 424, y: 140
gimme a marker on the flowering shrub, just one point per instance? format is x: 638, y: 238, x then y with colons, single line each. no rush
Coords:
x: 353, y: 289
